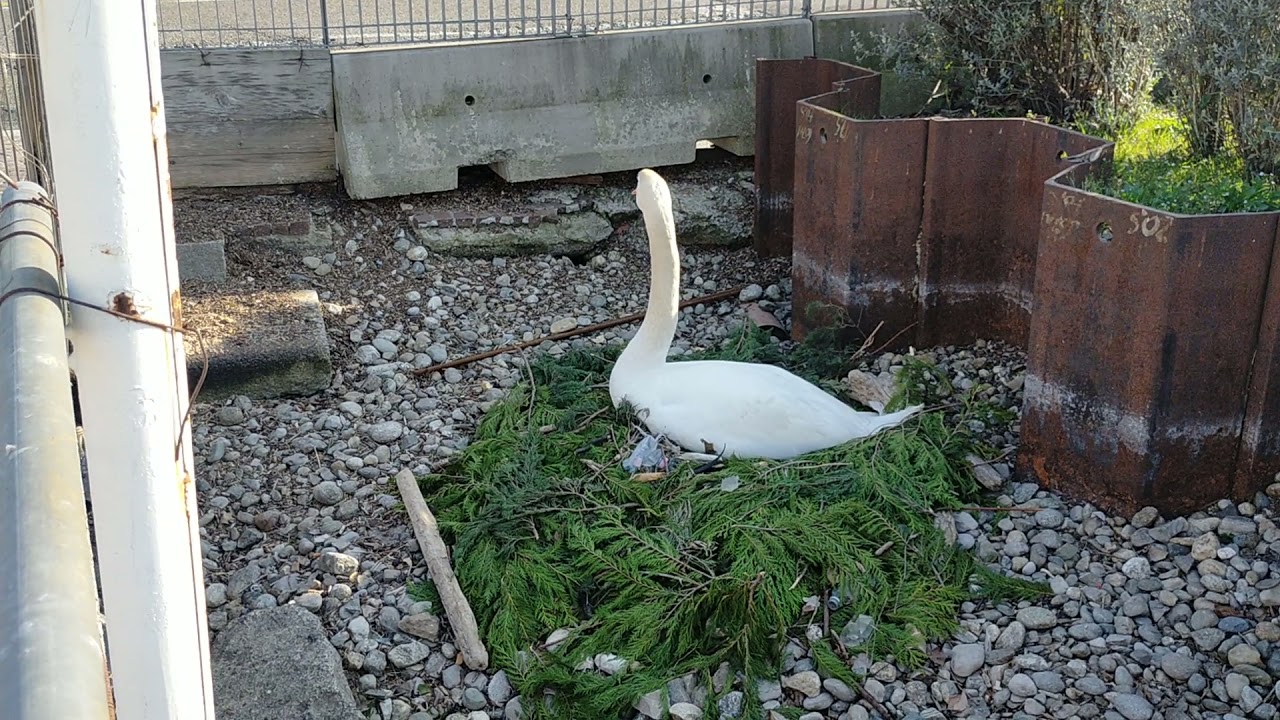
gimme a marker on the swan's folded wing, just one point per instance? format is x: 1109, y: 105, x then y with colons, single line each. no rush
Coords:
x: 745, y: 409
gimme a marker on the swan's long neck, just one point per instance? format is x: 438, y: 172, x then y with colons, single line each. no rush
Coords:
x: 652, y: 341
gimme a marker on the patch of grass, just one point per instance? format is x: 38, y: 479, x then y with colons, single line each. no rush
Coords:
x: 679, y: 576
x: 1154, y: 167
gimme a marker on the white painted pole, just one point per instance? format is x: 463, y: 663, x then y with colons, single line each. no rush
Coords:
x: 101, y: 78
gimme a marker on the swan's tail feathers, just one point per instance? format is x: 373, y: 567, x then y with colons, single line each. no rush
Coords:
x: 893, y: 419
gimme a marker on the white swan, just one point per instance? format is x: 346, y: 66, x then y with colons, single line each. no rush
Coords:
x: 740, y: 409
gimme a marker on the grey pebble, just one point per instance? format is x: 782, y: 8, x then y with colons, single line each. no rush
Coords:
x: 1132, y: 707
x: 328, y: 492
x: 473, y: 699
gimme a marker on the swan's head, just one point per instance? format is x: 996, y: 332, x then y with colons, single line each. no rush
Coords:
x: 652, y: 194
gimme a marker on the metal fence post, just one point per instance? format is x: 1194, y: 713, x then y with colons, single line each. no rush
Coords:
x: 324, y: 22
x: 106, y: 119
x: 51, y: 653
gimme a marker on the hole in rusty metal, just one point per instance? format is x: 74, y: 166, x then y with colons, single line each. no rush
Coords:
x: 822, y: 135
x: 1062, y: 155
x: 706, y: 78
x: 1104, y: 231
x: 470, y: 99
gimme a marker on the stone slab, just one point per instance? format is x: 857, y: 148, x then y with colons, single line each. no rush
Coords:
x: 572, y: 236
x: 202, y: 260
x: 304, y: 234
x: 278, y: 663
x: 264, y: 344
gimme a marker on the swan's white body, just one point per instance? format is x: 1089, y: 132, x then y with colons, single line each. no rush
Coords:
x: 714, y: 406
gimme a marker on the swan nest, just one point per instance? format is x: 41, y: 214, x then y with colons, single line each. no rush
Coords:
x: 595, y: 590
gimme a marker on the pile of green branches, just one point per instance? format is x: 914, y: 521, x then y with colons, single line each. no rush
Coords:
x: 682, y: 574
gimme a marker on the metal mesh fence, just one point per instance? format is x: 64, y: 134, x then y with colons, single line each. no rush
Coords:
x: 349, y: 23
x: 23, y: 140
x: 353, y: 23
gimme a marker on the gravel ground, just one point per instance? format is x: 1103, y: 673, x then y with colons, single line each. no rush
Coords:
x: 1150, y: 618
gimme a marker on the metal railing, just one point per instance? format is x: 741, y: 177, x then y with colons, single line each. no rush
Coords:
x: 100, y: 270
x: 51, y: 632
x: 51, y: 639
x: 347, y: 23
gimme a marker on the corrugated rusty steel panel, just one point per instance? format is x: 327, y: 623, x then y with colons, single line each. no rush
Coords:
x: 857, y: 224
x: 1140, y: 351
x: 779, y: 85
x: 1153, y: 338
x: 899, y: 222
x: 983, y: 187
x: 1260, y: 440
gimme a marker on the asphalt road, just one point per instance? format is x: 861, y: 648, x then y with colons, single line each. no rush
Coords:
x: 230, y: 23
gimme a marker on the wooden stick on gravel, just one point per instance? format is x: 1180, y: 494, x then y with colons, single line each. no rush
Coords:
x: 584, y: 330
x: 456, y: 607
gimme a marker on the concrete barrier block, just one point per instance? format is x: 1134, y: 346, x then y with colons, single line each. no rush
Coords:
x: 408, y: 118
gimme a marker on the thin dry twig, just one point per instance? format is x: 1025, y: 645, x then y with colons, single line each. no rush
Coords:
x: 888, y: 342
x: 869, y: 339
x: 585, y: 330
x: 533, y: 387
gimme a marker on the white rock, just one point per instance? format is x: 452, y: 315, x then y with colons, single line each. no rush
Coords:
x: 650, y: 705
x: 807, y: 683
x: 556, y: 638
x: 610, y: 664
x: 564, y: 325
x: 1205, y: 546
x: 685, y: 711
x: 385, y: 432
x: 1136, y: 568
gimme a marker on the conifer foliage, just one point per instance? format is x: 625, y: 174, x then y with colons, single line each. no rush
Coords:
x: 693, y: 570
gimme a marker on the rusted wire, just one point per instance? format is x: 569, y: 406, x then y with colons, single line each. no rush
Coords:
x: 585, y: 330
x: 204, y: 353
x: 42, y: 202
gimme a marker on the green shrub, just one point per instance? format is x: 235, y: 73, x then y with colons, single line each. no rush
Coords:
x: 1222, y: 64
x: 1156, y: 166
x: 1069, y: 60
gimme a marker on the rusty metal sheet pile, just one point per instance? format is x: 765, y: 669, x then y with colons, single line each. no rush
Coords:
x: 1153, y: 339
x: 1260, y: 443
x: 779, y: 84
x: 927, y: 224
x: 983, y: 183
x: 856, y: 234
x: 1140, y: 352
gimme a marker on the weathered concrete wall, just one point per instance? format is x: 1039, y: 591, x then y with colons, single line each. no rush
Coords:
x: 408, y: 118
x: 852, y: 37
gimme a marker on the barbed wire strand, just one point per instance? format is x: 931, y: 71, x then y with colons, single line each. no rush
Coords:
x: 45, y: 202
x: 204, y: 352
